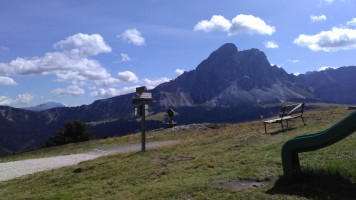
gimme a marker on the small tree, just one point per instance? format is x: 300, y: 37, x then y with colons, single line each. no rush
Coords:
x: 75, y: 131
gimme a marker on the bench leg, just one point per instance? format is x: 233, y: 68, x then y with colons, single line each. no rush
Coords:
x: 303, y: 121
x: 265, y: 128
x: 287, y: 122
x: 282, y: 125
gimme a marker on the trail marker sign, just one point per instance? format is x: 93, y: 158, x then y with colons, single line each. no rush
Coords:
x: 140, y: 90
x: 142, y: 101
x: 146, y: 95
x: 140, y: 109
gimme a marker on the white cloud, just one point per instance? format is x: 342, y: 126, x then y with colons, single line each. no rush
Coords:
x: 122, y: 78
x: 153, y: 83
x: 5, y: 100
x: 179, y: 71
x: 4, y: 48
x: 352, y: 22
x: 72, y: 64
x: 110, y: 92
x: 84, y: 44
x: 296, y: 74
x: 133, y: 36
x: 7, y: 81
x: 326, y: 68
x: 328, y: 2
x: 92, y: 88
x: 251, y: 25
x: 240, y: 24
x: 216, y: 23
x: 271, y: 45
x: 127, y: 77
x: 125, y: 57
x: 108, y: 82
x: 66, y: 67
x: 318, y: 18
x: 72, y: 90
x: 334, y: 40
x: 294, y: 61
x: 24, y: 98
x: 21, y: 99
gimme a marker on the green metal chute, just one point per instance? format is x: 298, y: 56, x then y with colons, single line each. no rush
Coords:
x: 311, y: 142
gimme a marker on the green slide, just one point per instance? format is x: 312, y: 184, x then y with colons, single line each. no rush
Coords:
x: 311, y: 142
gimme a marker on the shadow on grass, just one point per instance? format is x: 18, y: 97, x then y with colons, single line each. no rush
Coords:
x: 282, y: 131
x: 315, y: 184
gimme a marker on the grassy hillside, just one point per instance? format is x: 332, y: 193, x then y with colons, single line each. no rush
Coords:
x: 208, y: 163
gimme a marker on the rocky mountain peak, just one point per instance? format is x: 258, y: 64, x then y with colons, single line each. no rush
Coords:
x: 45, y: 106
x: 228, y: 73
x: 226, y: 49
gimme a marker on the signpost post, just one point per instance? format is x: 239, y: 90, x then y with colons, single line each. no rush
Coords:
x: 144, y: 98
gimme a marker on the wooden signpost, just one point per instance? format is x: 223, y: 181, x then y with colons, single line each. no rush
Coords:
x: 140, y: 109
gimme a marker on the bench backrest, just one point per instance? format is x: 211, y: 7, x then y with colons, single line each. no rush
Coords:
x: 296, y: 109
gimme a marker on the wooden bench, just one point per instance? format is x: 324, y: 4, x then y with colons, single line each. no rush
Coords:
x: 287, y: 114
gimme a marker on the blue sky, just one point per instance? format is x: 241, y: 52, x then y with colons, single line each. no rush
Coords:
x: 76, y: 52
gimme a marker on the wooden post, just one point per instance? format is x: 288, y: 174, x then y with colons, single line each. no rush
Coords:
x: 143, y: 127
x: 144, y: 98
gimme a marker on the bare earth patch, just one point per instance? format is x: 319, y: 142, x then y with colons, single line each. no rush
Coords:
x: 240, y: 184
x: 159, y: 160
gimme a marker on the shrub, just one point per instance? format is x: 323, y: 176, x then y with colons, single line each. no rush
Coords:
x: 75, y: 131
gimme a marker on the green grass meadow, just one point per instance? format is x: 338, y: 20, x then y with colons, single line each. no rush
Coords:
x: 202, y: 159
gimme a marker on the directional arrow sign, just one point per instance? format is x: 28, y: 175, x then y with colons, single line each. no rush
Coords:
x: 139, y: 111
x: 146, y: 95
x: 143, y: 101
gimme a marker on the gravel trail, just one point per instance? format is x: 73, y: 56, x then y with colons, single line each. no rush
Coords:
x: 15, y: 169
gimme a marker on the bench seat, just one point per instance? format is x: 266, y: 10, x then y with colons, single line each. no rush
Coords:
x: 287, y: 113
x: 279, y: 119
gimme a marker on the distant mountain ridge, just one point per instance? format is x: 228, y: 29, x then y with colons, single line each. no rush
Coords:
x: 332, y: 85
x: 45, y: 106
x: 229, y: 77
x: 228, y: 86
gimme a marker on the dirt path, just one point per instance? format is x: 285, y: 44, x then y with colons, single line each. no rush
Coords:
x: 15, y: 169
